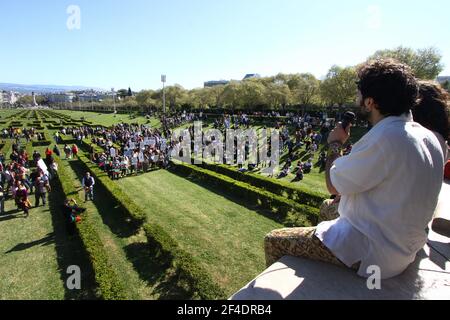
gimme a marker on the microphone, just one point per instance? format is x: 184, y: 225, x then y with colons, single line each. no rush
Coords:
x: 347, y: 119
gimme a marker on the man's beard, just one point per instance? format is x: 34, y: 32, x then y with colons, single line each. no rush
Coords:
x: 365, y: 115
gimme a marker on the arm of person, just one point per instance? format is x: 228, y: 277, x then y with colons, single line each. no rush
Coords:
x: 334, y: 153
x: 336, y: 140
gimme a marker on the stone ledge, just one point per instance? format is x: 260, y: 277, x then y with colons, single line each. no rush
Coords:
x: 428, y: 278
x: 302, y: 279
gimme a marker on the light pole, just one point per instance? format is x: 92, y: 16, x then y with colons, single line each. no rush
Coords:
x: 114, y: 100
x: 92, y: 100
x: 163, y: 80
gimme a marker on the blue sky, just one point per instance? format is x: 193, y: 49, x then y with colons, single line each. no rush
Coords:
x: 131, y: 43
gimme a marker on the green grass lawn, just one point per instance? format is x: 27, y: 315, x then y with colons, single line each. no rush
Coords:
x: 35, y: 253
x: 222, y: 233
x: 8, y: 112
x: 109, y: 119
x: 225, y: 237
x: 138, y: 267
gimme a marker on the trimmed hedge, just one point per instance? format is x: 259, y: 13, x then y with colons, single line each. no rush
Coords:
x: 202, y: 286
x: 43, y: 143
x: 51, y: 127
x: 128, y: 206
x: 110, y: 286
x: 65, y: 139
x: 283, y: 210
x: 300, y: 194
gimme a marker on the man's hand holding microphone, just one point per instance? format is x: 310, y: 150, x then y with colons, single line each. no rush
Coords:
x: 341, y: 133
x: 336, y: 139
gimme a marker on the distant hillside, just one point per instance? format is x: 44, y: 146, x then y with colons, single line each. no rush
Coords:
x: 23, y: 88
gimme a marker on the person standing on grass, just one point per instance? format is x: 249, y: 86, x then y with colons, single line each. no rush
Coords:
x: 68, y: 152
x: 71, y: 212
x: 88, y: 183
x: 396, y: 157
x: 21, y: 198
x: 56, y: 151
x: 42, y: 186
x: 75, y: 151
x: 56, y: 137
x: 2, y: 200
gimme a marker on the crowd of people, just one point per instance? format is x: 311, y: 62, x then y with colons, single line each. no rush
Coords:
x: 18, y: 181
x: 123, y: 149
x: 405, y: 149
x: 18, y: 133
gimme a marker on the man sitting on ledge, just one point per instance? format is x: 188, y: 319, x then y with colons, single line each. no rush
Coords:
x: 389, y: 184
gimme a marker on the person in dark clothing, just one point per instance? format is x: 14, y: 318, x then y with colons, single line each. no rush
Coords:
x: 56, y: 151
x: 71, y: 212
x: 2, y: 200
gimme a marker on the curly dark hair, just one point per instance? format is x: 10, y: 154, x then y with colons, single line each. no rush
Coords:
x: 432, y: 111
x: 390, y: 83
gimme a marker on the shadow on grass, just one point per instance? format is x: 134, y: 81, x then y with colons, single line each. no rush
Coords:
x: 240, y: 201
x: 10, y: 215
x: 111, y: 213
x: 156, y: 268
x: 152, y: 266
x: 70, y: 250
x: 47, y: 240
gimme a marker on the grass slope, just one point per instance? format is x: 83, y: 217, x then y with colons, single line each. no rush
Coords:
x: 35, y: 253
x: 225, y: 237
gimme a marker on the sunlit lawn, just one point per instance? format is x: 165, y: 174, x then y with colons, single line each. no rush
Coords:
x: 224, y: 236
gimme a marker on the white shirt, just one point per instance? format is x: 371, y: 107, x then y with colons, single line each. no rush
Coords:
x: 390, y: 184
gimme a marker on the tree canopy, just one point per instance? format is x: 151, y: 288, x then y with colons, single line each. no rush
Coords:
x: 426, y: 63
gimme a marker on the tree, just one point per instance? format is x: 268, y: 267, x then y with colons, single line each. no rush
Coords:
x: 130, y: 93
x: 122, y: 93
x: 277, y: 95
x: 304, y: 88
x: 426, y: 63
x: 339, y: 86
x: 252, y: 94
x: 231, y: 95
x: 146, y: 98
x: 28, y: 100
x: 216, y: 93
x: 176, y: 96
x: 201, y: 98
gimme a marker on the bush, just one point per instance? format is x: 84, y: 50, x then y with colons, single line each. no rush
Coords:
x: 300, y: 194
x: 201, y: 285
x: 65, y: 139
x: 283, y: 210
x: 43, y: 143
x: 57, y: 127
x: 110, y: 286
x: 134, y: 212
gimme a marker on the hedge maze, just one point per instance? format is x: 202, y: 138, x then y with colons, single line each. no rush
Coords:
x: 135, y: 252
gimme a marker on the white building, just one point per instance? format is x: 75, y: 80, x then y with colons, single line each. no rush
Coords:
x: 94, y: 96
x: 61, y: 98
x: 8, y: 97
